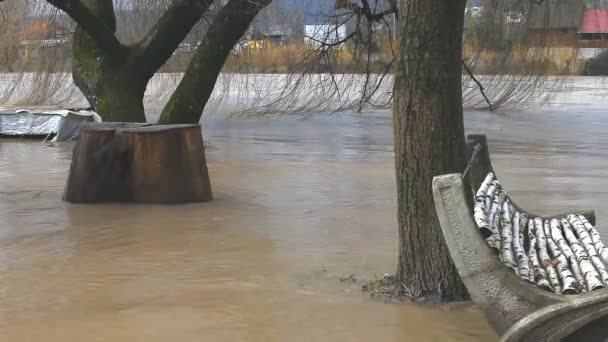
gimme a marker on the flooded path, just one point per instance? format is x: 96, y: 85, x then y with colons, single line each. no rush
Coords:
x: 299, y: 204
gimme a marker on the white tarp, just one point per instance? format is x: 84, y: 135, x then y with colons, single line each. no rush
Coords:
x: 64, y: 123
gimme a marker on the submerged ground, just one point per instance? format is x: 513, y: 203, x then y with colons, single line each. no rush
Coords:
x: 299, y: 204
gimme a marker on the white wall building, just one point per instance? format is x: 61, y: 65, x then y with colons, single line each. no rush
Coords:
x: 318, y: 35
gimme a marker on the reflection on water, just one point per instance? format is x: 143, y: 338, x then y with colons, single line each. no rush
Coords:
x: 298, y: 205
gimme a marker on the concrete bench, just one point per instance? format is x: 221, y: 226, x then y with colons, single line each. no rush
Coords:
x: 518, y: 310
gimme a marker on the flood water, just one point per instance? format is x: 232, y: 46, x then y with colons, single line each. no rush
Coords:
x: 299, y: 204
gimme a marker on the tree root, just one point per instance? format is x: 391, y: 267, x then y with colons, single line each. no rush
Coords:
x: 389, y: 290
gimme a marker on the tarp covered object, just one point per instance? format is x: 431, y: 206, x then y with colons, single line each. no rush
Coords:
x: 63, y: 123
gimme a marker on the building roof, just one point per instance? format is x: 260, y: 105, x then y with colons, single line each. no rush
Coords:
x: 556, y: 14
x: 41, y: 29
x: 594, y: 21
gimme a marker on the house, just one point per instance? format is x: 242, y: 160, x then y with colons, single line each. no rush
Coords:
x: 41, y: 38
x: 279, y: 40
x: 593, y: 29
x: 259, y: 41
x: 42, y: 29
x: 327, y: 34
x: 554, y: 22
x: 43, y: 48
x: 255, y: 41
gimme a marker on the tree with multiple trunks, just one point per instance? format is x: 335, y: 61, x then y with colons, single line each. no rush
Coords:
x: 113, y: 76
x: 120, y: 162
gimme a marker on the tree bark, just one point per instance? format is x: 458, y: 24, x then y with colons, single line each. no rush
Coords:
x: 88, y: 56
x: 429, y: 139
x: 105, y: 75
x: 168, y: 32
x: 116, y: 93
x: 112, y: 76
x: 118, y: 162
x: 120, y: 94
x: 193, y: 92
x: 97, y: 19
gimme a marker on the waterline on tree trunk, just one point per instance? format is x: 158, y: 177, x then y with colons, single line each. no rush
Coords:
x: 389, y: 290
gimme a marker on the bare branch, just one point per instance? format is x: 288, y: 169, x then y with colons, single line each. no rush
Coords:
x: 200, y: 77
x: 96, y: 28
x: 366, y: 10
x: 324, y: 44
x: 170, y: 30
x: 479, y: 85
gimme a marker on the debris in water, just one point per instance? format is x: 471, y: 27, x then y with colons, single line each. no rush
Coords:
x: 350, y: 278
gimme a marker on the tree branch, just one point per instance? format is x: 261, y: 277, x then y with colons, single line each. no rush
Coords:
x: 393, y: 6
x: 479, y: 85
x: 168, y: 32
x: 365, y: 9
x: 194, y: 90
x: 94, y: 26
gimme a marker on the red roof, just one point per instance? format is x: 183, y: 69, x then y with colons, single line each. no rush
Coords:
x: 594, y: 21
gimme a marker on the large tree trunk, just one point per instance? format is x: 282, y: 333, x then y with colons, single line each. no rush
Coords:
x: 116, y: 94
x: 108, y: 82
x: 120, y: 98
x: 429, y: 139
x: 193, y: 92
x: 114, y: 82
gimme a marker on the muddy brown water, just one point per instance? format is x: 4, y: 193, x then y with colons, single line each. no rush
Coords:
x: 299, y: 204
